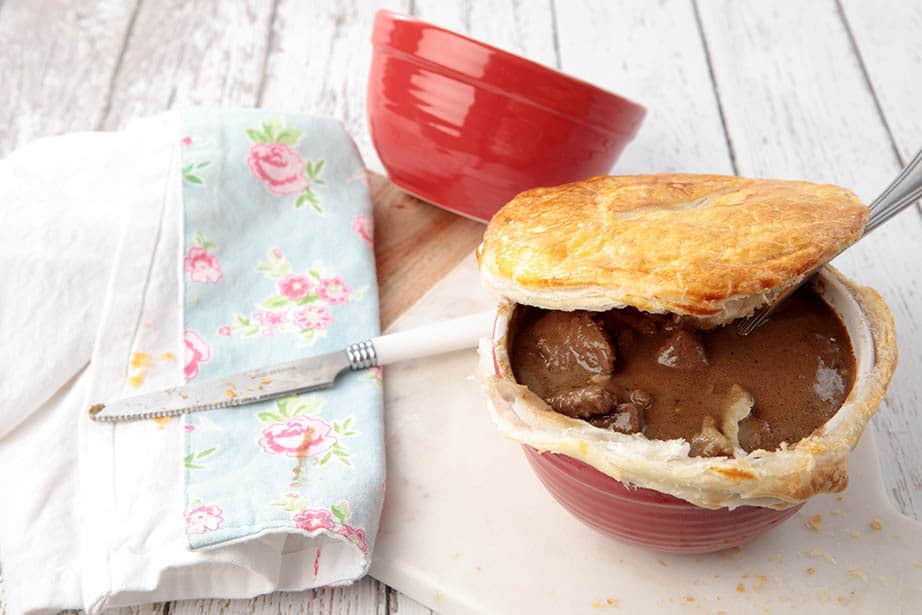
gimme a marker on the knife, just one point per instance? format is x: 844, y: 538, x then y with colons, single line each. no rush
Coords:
x: 298, y: 376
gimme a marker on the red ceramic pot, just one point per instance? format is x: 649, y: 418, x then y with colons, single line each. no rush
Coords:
x: 467, y: 126
x: 645, y: 517
x: 635, y: 515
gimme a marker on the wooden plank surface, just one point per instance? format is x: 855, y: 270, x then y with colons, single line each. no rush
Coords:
x: 215, y: 57
x: 57, y: 60
x: 817, y: 120
x: 655, y: 56
x: 886, y: 34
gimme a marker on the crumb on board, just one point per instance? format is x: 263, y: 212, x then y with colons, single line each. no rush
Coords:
x: 884, y: 581
x: 740, y: 588
x: 167, y: 356
x: 611, y: 602
x: 859, y: 573
x: 840, y: 498
x: 689, y: 598
x: 745, y: 575
x: 816, y: 522
x: 662, y: 563
x: 875, y: 524
x: 822, y: 554
x: 840, y: 599
x: 230, y: 393
x: 856, y: 534
x: 265, y: 380
x: 838, y: 511
x: 811, y: 571
x: 917, y: 564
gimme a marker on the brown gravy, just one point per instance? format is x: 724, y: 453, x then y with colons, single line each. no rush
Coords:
x: 630, y: 371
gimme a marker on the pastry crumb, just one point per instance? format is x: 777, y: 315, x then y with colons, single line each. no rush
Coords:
x: 740, y: 588
x: 662, y: 563
x: 855, y: 534
x: 840, y: 498
x: 838, y: 511
x: 265, y: 380
x: 230, y: 393
x: 816, y: 522
x: 167, y: 356
x: 811, y: 571
x: 858, y: 572
x: 822, y: 554
x: 875, y: 524
x: 689, y: 598
x: 611, y: 602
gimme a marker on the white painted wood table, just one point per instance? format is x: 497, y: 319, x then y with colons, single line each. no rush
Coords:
x: 827, y: 90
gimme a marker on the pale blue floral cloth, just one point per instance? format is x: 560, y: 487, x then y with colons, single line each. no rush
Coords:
x: 277, y: 265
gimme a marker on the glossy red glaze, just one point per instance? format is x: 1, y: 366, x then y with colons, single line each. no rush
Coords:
x: 646, y: 517
x: 468, y: 126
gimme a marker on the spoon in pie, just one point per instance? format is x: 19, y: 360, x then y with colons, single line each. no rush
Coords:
x: 902, y: 192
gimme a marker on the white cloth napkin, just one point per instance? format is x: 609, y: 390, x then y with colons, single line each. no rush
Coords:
x: 78, y: 529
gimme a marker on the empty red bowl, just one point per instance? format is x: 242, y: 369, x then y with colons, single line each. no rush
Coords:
x: 646, y: 517
x: 468, y: 126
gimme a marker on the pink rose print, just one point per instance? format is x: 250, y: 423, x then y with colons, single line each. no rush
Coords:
x: 203, y: 519
x: 276, y: 253
x: 353, y: 534
x: 334, y: 290
x: 294, y: 286
x: 225, y: 331
x: 279, y: 167
x: 197, y: 351
x: 202, y: 265
x: 269, y: 320
x: 299, y: 436
x: 363, y: 226
x: 314, y: 519
x: 312, y: 317
x: 186, y: 141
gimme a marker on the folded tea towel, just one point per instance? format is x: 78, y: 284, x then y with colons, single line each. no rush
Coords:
x: 246, y: 241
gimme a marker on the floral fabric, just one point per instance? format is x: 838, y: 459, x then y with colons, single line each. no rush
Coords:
x: 277, y: 264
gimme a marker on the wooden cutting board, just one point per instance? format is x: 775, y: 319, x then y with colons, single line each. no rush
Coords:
x: 416, y: 244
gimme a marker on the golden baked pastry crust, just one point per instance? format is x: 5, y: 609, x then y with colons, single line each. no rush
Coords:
x: 774, y: 479
x: 708, y: 246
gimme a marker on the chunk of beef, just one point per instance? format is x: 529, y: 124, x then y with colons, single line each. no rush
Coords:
x: 627, y: 418
x: 709, y: 442
x: 583, y: 402
x: 682, y: 350
x: 573, y: 342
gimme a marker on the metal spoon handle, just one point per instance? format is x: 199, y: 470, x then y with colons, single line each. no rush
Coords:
x: 902, y: 192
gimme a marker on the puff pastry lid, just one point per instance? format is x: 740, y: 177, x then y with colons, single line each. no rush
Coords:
x: 711, y: 247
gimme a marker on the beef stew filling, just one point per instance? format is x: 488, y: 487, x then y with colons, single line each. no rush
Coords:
x: 633, y: 372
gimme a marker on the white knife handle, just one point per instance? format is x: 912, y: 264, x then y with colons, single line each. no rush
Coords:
x: 445, y: 336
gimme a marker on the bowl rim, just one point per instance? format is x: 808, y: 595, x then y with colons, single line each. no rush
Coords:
x: 630, y: 113
x: 777, y: 479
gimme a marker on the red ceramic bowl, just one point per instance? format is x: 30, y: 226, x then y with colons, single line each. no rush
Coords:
x: 646, y: 517
x: 467, y: 126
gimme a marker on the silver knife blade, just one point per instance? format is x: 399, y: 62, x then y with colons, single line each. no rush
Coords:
x: 290, y: 378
